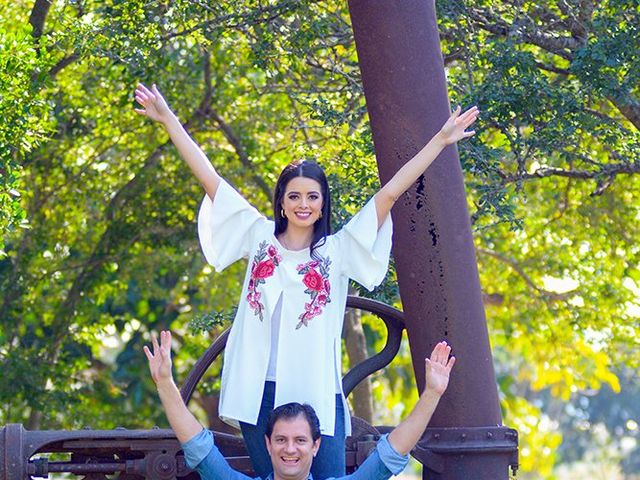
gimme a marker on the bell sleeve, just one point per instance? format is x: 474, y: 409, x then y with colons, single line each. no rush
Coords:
x: 365, y: 247
x: 226, y: 226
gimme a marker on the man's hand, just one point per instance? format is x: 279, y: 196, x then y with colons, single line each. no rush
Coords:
x: 184, y: 424
x: 160, y: 359
x: 438, y: 367
x: 154, y: 105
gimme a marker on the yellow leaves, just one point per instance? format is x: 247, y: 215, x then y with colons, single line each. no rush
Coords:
x: 567, y: 367
x: 340, y: 50
x: 559, y: 380
x: 538, y: 437
x: 604, y: 374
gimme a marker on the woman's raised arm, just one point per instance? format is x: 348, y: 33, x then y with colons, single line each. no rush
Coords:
x: 155, y: 107
x: 453, y: 130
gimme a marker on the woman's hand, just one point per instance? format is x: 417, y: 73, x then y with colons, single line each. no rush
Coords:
x: 154, y: 105
x: 160, y: 359
x: 455, y: 128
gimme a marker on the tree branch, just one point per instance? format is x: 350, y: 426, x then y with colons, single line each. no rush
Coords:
x: 552, y: 68
x: 616, y: 169
x: 526, y: 31
x: 38, y: 16
x: 272, y: 11
x: 65, y: 62
x: 630, y: 109
x: 356, y: 346
x: 576, y: 23
x: 236, y: 143
x: 546, y: 294
x: 604, y: 176
x: 585, y: 14
x: 205, y: 109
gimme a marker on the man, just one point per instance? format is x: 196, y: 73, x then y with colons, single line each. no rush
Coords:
x: 293, y: 432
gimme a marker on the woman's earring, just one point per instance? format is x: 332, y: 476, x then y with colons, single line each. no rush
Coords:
x: 282, y: 213
x: 320, y: 214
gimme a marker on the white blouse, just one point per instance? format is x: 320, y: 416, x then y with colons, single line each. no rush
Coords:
x: 314, y: 294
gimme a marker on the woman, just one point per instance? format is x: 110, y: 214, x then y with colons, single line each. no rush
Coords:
x: 285, y: 343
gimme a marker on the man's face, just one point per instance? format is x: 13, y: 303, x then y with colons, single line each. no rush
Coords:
x: 291, y: 448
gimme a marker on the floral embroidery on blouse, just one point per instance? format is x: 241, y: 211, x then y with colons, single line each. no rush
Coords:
x: 264, y: 264
x: 316, y: 279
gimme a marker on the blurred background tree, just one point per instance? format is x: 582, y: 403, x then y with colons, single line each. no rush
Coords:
x: 97, y: 211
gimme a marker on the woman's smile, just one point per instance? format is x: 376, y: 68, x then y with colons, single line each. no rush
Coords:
x: 302, y: 202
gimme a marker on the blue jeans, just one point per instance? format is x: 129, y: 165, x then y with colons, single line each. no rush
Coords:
x: 330, y: 460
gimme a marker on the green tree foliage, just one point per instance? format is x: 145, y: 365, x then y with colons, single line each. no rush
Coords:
x: 23, y: 110
x: 554, y: 197
x: 111, y: 251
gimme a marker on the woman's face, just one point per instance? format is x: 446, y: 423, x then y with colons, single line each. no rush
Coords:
x: 302, y: 202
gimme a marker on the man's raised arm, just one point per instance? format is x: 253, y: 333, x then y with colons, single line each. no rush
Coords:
x: 182, y: 421
x: 437, y: 368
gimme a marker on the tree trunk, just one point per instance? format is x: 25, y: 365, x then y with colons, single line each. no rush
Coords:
x: 356, y: 345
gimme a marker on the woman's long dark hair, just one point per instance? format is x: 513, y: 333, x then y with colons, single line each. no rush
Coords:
x: 308, y: 169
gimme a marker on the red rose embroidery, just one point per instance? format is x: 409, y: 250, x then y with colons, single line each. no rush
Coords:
x: 272, y: 251
x: 254, y: 301
x: 313, y: 280
x: 316, y: 279
x: 261, y: 269
x: 322, y: 299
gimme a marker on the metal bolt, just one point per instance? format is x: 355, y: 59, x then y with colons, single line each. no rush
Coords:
x: 463, y: 437
x: 436, y: 436
x: 489, y: 435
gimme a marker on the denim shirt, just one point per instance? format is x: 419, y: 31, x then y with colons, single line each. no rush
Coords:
x: 201, y: 454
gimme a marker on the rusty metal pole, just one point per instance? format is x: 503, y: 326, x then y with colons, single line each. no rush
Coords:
x: 405, y: 87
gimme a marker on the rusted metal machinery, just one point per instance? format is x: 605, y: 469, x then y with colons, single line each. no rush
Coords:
x: 405, y: 87
x: 156, y: 454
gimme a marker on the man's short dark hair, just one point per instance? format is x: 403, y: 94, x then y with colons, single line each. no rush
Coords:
x: 293, y: 410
